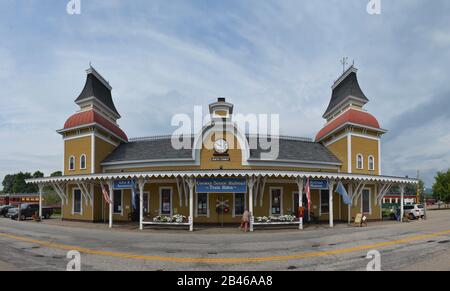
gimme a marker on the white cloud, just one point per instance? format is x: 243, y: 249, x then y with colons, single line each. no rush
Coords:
x: 265, y: 56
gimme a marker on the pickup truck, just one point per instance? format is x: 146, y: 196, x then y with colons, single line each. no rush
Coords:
x: 28, y: 211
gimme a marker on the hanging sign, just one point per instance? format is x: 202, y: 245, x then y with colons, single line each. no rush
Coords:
x: 124, y: 184
x: 318, y: 184
x: 221, y: 185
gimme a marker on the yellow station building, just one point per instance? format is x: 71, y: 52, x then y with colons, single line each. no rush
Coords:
x: 225, y: 171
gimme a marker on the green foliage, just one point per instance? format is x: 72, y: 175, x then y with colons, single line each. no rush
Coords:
x: 441, y: 187
x: 51, y: 198
x: 56, y: 174
x: 16, y: 183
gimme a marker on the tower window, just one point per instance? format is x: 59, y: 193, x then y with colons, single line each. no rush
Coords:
x: 371, y: 163
x: 83, y: 162
x: 72, y: 163
x: 359, y: 162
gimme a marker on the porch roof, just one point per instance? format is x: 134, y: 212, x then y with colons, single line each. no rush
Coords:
x: 223, y: 173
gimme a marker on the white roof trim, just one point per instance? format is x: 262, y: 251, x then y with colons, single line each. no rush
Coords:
x: 379, y: 130
x: 224, y: 173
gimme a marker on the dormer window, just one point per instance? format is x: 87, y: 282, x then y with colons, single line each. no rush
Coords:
x: 371, y: 163
x: 221, y: 109
x: 359, y: 162
x: 83, y: 162
x: 72, y: 163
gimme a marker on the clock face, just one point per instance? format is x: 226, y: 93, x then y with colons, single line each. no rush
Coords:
x: 221, y: 146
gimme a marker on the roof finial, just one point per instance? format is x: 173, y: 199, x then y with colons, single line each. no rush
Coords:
x: 344, y: 62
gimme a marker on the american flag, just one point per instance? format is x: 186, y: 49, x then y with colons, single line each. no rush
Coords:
x: 308, y: 194
x: 105, y: 194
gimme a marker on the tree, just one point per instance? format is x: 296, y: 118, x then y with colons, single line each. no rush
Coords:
x: 8, y: 183
x: 15, y: 183
x: 441, y: 187
x: 56, y: 174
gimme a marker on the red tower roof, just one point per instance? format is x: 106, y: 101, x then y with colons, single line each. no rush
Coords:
x: 89, y: 117
x: 352, y: 116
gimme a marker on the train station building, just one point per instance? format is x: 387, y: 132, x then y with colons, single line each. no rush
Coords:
x: 333, y: 177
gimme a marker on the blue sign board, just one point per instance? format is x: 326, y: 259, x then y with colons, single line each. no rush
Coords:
x: 124, y: 184
x: 221, y: 185
x: 318, y: 184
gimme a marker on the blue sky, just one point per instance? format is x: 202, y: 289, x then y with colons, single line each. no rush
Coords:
x: 281, y: 56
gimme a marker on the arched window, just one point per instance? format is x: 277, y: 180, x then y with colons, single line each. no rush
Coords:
x: 83, y: 162
x: 371, y: 163
x: 359, y: 162
x: 72, y: 163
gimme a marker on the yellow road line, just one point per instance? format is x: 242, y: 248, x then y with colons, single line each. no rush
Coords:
x: 227, y: 260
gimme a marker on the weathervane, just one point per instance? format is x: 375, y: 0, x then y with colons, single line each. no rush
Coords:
x: 344, y: 62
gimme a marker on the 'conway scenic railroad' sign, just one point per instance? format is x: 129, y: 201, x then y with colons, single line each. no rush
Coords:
x: 221, y: 185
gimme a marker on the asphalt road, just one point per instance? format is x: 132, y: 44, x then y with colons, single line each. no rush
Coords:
x: 418, y: 245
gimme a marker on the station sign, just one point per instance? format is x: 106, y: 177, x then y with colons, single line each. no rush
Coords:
x: 124, y: 184
x: 319, y: 184
x: 221, y: 185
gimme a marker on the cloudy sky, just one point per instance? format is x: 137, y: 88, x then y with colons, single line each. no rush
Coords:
x: 280, y: 56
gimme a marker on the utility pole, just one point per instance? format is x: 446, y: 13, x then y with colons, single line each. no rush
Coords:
x: 418, y: 188
x: 424, y: 196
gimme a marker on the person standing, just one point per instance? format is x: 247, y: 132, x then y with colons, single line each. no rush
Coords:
x: 245, y: 220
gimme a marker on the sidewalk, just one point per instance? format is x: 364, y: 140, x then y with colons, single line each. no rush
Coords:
x: 203, y: 229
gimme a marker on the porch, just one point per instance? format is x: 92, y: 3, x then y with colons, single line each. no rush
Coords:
x: 270, y: 194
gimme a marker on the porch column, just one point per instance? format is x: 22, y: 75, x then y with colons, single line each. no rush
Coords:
x: 191, y: 184
x: 330, y: 211
x: 402, y: 201
x: 141, y: 184
x: 41, y: 188
x: 251, y: 183
x: 111, y: 205
x: 350, y: 193
x: 300, y: 199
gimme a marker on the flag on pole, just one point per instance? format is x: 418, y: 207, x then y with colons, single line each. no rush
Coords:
x: 133, y: 196
x: 105, y: 194
x: 308, y: 194
x: 341, y: 190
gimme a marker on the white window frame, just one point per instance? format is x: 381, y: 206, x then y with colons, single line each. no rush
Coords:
x: 121, y: 202
x: 73, y: 201
x: 234, y: 204
x: 160, y: 200
x: 370, y: 201
x: 85, y: 162
x: 320, y: 203
x: 74, y: 163
x: 281, y: 202
x: 362, y: 161
x: 373, y: 163
x: 207, y: 205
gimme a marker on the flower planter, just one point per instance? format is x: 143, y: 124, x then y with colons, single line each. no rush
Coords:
x: 176, y: 219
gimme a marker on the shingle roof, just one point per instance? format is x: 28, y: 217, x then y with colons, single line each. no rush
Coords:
x: 353, y: 116
x: 152, y: 149
x: 96, y: 88
x: 300, y: 150
x: 90, y: 116
x: 161, y: 149
x: 346, y: 87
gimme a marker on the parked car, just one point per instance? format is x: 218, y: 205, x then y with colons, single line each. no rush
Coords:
x: 4, y: 210
x: 414, y: 211
x: 28, y: 211
x: 11, y: 212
